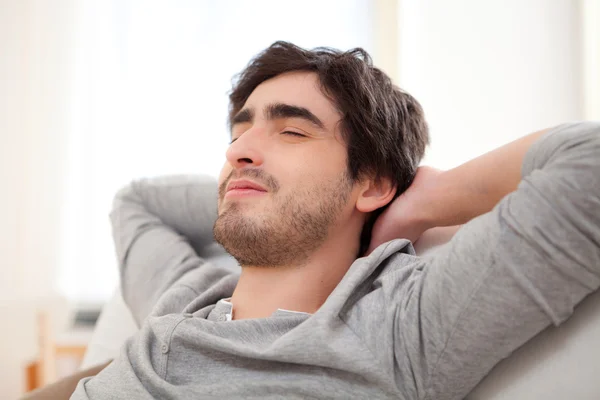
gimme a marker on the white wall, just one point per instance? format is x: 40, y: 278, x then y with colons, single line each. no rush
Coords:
x: 11, y: 154
x: 590, y: 18
x: 487, y: 72
x: 11, y: 142
x: 34, y: 68
x: 33, y: 93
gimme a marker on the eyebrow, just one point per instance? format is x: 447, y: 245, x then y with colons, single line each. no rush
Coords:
x: 246, y: 115
x: 279, y: 111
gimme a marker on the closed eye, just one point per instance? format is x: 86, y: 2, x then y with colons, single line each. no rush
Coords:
x: 291, y: 133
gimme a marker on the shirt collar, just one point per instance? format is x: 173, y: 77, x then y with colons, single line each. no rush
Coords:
x: 223, y: 311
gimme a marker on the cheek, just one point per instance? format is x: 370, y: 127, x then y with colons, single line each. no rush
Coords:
x: 320, y: 165
x: 331, y: 161
x: 225, y: 171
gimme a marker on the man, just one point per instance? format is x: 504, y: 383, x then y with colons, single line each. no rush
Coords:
x: 326, y: 304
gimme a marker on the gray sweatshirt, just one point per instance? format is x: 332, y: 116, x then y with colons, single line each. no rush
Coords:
x: 396, y: 326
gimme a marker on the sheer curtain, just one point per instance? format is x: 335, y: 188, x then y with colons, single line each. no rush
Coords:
x: 149, y: 97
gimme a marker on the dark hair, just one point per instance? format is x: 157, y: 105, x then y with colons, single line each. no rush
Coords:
x: 383, y: 126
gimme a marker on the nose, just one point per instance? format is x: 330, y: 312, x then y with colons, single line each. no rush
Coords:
x: 246, y: 150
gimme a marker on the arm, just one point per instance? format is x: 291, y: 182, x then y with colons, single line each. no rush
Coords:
x: 510, y: 273
x: 505, y: 276
x: 475, y: 187
x: 159, y: 226
x: 440, y: 199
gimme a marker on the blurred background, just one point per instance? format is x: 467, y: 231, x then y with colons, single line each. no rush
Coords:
x: 96, y: 93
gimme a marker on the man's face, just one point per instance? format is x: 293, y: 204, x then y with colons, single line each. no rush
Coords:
x: 285, y: 182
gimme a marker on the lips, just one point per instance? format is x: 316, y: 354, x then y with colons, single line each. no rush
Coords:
x: 244, y: 184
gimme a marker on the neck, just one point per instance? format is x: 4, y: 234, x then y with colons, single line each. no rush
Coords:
x: 296, y: 287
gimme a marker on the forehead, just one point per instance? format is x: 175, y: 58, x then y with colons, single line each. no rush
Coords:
x: 298, y: 88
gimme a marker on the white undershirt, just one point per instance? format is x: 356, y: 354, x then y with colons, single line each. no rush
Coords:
x: 229, y: 315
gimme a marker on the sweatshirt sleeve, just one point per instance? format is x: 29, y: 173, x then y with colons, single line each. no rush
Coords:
x: 160, y: 226
x: 444, y: 321
x: 510, y: 273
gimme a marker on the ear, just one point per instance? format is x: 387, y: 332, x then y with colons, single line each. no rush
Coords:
x: 375, y: 194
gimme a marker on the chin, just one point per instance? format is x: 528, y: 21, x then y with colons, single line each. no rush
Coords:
x: 236, y: 213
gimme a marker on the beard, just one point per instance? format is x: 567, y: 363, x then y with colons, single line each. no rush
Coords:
x: 286, y: 232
